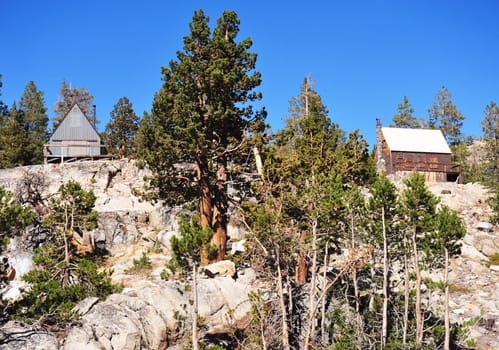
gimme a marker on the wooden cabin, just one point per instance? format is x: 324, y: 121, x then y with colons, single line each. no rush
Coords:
x: 75, y: 138
x: 403, y: 151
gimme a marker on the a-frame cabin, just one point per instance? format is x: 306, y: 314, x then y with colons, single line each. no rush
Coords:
x: 74, y: 138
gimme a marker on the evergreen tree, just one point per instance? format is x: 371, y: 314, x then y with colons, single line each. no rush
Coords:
x: 419, y: 209
x: 443, y: 243
x: 404, y: 117
x: 4, y: 111
x: 121, y: 131
x: 69, y: 96
x: 203, y: 116
x: 3, y: 107
x: 35, y: 123
x: 64, y: 275
x: 302, y: 200
x: 12, y: 139
x: 14, y: 217
x: 444, y: 115
x: 490, y: 127
x: 384, y: 211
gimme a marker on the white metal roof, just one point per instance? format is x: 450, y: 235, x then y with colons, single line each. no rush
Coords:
x: 75, y: 126
x: 416, y: 140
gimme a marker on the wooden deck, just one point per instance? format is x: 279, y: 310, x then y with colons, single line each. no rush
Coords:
x: 74, y: 152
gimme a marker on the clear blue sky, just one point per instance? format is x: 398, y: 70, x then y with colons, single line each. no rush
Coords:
x: 364, y: 56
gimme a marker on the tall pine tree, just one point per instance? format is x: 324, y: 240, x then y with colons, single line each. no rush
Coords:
x: 490, y: 127
x: 404, y: 117
x: 444, y: 115
x: 35, y: 123
x: 121, y: 131
x: 419, y: 206
x: 203, y: 116
x: 12, y: 139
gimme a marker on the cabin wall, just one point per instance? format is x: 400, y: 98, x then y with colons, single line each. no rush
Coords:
x: 429, y: 162
x: 434, y: 166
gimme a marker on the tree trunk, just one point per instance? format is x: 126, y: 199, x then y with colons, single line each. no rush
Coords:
x: 358, y: 316
x: 406, y: 300
x: 258, y: 161
x: 384, y: 327
x: 446, y: 302
x: 323, y: 299
x: 195, y: 345
x: 417, y: 305
x: 219, y: 238
x: 67, y: 258
x: 311, y: 307
x: 205, y: 206
x: 282, y: 304
x: 301, y: 267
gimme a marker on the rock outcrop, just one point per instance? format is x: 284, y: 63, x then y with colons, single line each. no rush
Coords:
x: 150, y: 312
x: 153, y: 314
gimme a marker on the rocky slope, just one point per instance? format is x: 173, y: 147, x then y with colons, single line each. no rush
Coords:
x: 474, y: 286
x: 145, y: 313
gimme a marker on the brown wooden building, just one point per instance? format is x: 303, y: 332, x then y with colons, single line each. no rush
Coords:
x: 403, y: 151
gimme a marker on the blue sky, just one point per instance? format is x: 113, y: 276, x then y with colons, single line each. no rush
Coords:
x: 364, y: 56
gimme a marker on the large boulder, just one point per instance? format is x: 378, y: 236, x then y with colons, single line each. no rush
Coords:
x: 147, y: 313
x: 19, y: 336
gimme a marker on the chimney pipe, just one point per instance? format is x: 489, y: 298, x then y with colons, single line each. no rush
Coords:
x: 95, y: 115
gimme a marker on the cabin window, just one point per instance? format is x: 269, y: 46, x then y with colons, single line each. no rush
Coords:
x: 409, y: 162
x: 399, y: 160
x: 421, y: 162
x: 433, y: 162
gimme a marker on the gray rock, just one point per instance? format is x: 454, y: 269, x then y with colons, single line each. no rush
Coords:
x: 18, y: 336
x: 484, y: 226
x: 221, y: 269
x: 488, y: 244
x: 85, y: 305
x: 164, y: 237
x: 237, y: 247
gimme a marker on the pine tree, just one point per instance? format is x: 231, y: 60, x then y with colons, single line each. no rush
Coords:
x: 443, y: 243
x: 12, y: 139
x: 404, y: 117
x: 121, y: 131
x: 14, y: 217
x: 384, y: 211
x: 4, y: 111
x: 419, y: 208
x: 69, y: 96
x: 35, y: 124
x: 490, y: 127
x: 64, y: 275
x: 444, y: 115
x: 3, y: 107
x: 203, y: 116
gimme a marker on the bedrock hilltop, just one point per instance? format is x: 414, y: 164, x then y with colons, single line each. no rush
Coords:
x: 150, y: 312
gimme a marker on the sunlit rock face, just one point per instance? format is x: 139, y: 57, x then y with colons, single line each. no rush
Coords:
x: 148, y: 307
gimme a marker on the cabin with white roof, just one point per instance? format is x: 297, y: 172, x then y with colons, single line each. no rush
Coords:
x: 75, y: 138
x: 403, y: 151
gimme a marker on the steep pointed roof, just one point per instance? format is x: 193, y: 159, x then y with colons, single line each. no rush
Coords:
x: 416, y: 140
x: 75, y: 126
